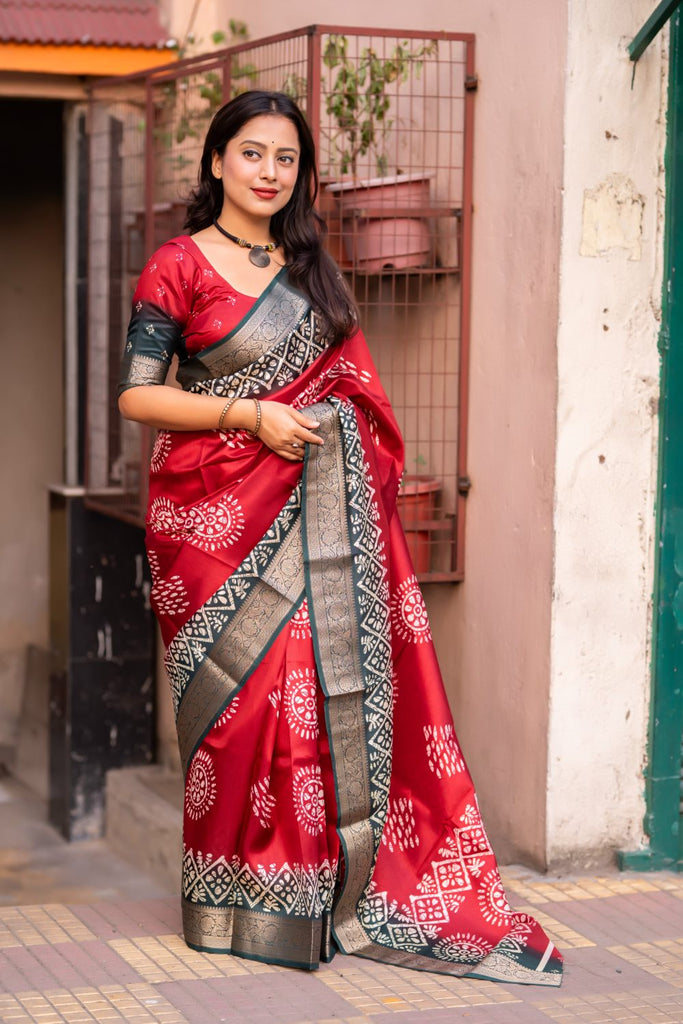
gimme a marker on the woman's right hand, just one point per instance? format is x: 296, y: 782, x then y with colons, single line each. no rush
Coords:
x: 286, y: 431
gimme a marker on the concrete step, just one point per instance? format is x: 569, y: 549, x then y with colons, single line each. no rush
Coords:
x: 145, y: 820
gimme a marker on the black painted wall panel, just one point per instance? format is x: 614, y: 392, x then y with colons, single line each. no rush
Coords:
x: 102, y: 681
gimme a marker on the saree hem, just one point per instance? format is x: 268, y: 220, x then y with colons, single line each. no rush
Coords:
x: 277, y: 962
x: 509, y: 972
x: 257, y: 935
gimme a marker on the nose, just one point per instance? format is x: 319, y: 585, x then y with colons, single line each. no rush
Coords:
x: 268, y: 167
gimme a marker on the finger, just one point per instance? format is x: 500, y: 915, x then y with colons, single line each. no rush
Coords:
x: 308, y: 437
x: 289, y: 455
x: 305, y: 421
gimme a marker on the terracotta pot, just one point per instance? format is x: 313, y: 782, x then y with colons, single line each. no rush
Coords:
x: 381, y: 241
x: 416, y: 503
x: 396, y: 243
x: 384, y: 193
x: 417, y: 497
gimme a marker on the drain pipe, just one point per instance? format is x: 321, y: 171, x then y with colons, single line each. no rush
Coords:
x: 72, y: 115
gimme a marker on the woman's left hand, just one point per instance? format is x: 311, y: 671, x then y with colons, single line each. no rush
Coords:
x: 287, y: 431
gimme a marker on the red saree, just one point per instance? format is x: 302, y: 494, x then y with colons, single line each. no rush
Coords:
x: 327, y: 803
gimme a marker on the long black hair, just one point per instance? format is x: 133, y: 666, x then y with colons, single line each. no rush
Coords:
x: 297, y: 226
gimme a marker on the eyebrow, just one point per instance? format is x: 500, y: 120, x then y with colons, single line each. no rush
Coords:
x: 257, y: 142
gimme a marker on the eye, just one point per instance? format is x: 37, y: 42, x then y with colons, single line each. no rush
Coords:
x: 251, y: 153
x: 286, y: 158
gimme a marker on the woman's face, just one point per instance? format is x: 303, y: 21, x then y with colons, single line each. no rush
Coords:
x: 258, y: 168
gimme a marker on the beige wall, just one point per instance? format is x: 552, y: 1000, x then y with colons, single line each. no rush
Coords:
x: 607, y: 433
x: 31, y: 269
x: 492, y: 632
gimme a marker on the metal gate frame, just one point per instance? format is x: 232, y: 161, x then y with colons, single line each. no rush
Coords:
x: 222, y: 64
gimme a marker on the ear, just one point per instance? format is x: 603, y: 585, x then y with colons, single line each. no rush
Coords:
x: 216, y: 165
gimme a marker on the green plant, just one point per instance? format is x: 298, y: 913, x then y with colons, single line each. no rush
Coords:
x: 359, y: 99
x: 185, y: 107
x: 420, y: 464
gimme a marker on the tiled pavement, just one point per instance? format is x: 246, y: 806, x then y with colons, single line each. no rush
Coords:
x: 622, y: 937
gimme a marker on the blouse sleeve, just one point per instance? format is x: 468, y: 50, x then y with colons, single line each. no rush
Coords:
x: 161, y: 310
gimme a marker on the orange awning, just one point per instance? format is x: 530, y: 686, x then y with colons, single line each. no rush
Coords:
x: 80, y: 60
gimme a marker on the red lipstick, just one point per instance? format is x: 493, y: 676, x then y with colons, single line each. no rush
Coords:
x: 265, y: 193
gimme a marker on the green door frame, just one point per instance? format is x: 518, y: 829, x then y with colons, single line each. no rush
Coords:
x: 663, y: 772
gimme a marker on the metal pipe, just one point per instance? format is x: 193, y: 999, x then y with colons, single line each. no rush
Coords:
x: 72, y: 113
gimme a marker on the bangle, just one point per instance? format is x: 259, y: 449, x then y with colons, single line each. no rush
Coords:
x: 257, y: 427
x: 225, y: 411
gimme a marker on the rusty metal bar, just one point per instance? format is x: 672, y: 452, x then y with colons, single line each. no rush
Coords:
x: 465, y: 306
x: 313, y: 82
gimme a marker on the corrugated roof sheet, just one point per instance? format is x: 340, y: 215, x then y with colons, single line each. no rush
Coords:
x: 84, y: 22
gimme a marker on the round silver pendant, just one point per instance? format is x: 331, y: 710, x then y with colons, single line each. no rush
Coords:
x: 258, y: 256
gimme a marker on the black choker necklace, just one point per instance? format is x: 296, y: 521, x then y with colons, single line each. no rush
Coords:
x: 258, y: 254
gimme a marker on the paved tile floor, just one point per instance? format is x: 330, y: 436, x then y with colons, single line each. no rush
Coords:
x: 104, y: 945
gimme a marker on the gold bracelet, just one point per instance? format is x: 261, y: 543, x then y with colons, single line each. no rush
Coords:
x: 224, y: 413
x: 254, y: 432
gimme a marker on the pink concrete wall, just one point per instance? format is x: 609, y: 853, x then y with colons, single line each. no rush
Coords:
x: 499, y: 668
x: 493, y: 631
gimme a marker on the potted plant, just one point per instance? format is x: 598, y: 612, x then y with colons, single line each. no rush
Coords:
x: 416, y: 503
x: 358, y: 99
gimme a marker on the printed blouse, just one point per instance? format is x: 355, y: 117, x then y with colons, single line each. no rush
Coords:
x: 180, y: 306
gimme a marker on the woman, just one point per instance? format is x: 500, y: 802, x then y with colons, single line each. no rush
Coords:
x: 327, y: 804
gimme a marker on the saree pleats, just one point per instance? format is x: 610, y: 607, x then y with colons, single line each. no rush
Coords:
x: 327, y: 803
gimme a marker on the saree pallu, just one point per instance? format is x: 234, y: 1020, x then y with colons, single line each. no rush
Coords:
x: 327, y: 803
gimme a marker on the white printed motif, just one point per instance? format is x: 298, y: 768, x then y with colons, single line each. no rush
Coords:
x: 300, y: 623
x: 160, y: 451
x: 310, y: 394
x: 275, y: 698
x: 230, y: 711
x: 373, y: 428
x: 235, y: 438
x: 164, y: 516
x: 208, y: 525
x: 301, y: 704
x: 474, y: 842
x: 522, y: 926
x: 200, y: 788
x: 409, y: 614
x: 153, y: 560
x: 262, y: 801
x: 462, y: 948
x: 169, y: 597
x: 472, y: 814
x: 344, y: 367
x: 304, y: 890
x: 492, y: 900
x: 309, y: 799
x: 443, y: 752
x: 399, y: 828
x: 315, y: 387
